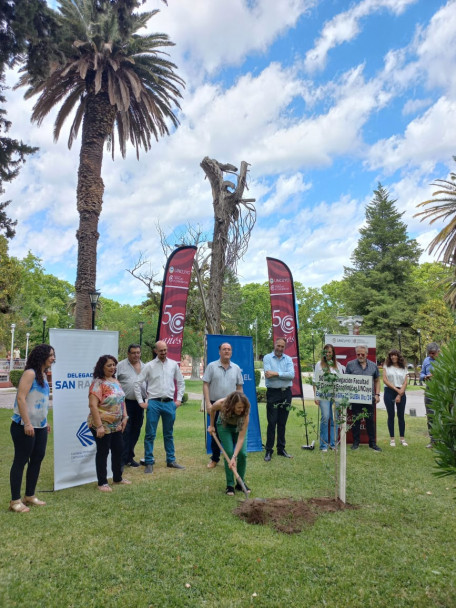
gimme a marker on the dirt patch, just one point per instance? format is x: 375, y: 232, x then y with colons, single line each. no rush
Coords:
x: 287, y: 515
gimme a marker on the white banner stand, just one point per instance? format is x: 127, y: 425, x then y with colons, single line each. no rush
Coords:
x: 76, y: 351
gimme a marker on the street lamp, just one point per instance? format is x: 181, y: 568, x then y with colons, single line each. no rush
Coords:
x: 141, y: 328
x: 44, y: 328
x: 94, y: 296
x: 27, y: 335
x: 313, y: 349
x: 13, y: 327
x: 399, y: 333
x: 418, y: 331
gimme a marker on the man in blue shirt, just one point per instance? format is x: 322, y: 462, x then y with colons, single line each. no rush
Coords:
x: 361, y: 366
x: 279, y: 374
x: 432, y: 350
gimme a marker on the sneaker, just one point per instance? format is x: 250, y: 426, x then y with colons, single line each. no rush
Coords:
x: 149, y: 468
x: 212, y: 464
x: 374, y: 446
x: 133, y: 463
x: 429, y: 445
x: 355, y: 445
x: 323, y: 449
x: 404, y: 443
x: 393, y: 443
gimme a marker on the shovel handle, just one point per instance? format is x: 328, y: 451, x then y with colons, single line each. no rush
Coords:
x: 227, y: 458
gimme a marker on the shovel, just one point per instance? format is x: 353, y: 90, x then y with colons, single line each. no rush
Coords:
x: 236, y: 474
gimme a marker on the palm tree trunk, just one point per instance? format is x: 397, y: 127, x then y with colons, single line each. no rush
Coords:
x: 98, y: 118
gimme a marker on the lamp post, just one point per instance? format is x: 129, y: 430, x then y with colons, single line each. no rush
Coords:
x: 418, y: 331
x: 141, y: 328
x: 27, y: 335
x: 94, y: 296
x: 44, y: 328
x: 313, y: 349
x: 13, y: 327
x: 399, y: 333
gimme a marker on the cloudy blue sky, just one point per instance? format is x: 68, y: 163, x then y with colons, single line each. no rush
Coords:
x: 324, y: 98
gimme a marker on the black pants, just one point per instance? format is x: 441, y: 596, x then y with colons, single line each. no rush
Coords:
x: 29, y: 450
x: 214, y: 447
x: 113, y: 442
x: 277, y: 409
x: 429, y: 415
x: 132, y: 430
x: 356, y: 409
x: 389, y: 397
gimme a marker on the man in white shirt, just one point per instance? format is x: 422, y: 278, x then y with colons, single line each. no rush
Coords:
x: 127, y: 372
x: 160, y: 375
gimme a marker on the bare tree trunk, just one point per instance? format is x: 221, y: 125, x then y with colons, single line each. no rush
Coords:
x: 227, y: 199
x: 196, y: 368
x: 98, y: 118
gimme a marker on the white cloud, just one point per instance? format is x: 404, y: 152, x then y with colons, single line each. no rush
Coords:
x: 346, y: 26
x: 427, y: 139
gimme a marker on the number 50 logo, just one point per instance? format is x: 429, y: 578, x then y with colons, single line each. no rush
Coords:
x: 175, y: 322
x: 286, y: 323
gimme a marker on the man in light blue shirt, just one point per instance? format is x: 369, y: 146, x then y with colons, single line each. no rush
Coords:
x: 432, y: 350
x: 279, y: 374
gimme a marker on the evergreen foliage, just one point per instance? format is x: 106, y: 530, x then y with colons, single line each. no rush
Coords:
x: 442, y: 391
x: 380, y: 283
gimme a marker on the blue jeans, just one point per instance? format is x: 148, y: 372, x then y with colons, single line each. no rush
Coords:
x: 167, y: 411
x: 327, y: 416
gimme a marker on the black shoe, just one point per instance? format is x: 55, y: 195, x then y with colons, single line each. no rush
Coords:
x: 284, y: 454
x: 133, y: 463
x: 355, y: 445
x: 174, y: 465
x: 239, y: 488
x: 374, y: 446
x: 268, y: 456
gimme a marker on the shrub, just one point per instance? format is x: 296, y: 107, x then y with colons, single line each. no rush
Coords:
x: 15, y: 375
x: 261, y: 394
x: 257, y: 377
x: 442, y: 391
x: 258, y: 364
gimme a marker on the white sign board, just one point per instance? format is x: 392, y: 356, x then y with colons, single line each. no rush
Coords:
x: 76, y: 351
x: 357, y: 389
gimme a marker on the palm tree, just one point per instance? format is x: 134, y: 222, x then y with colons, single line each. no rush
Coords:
x: 445, y: 241
x: 110, y: 79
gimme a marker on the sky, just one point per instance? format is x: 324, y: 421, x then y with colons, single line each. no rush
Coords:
x: 323, y: 98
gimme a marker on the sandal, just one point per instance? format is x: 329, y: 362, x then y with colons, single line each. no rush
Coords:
x: 33, y: 500
x: 392, y: 443
x: 240, y: 489
x: 105, y: 488
x: 229, y: 491
x: 123, y: 482
x: 18, y: 506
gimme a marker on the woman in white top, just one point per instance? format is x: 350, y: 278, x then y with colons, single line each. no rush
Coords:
x: 327, y: 362
x: 395, y: 381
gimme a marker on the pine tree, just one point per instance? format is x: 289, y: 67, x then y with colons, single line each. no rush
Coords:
x: 381, y: 286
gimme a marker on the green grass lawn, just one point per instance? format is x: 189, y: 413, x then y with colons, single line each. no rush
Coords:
x: 141, y: 545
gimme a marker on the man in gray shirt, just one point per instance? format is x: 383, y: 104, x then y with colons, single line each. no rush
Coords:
x: 128, y: 371
x: 219, y: 380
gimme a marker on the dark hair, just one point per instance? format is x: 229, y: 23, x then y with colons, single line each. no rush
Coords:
x: 230, y: 402
x: 132, y: 346
x: 36, y: 360
x: 400, y: 358
x: 222, y: 343
x: 98, y: 369
x: 324, y: 360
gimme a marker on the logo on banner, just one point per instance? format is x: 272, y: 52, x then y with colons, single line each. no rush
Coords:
x: 84, y: 434
x: 175, y: 322
x: 285, y: 323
